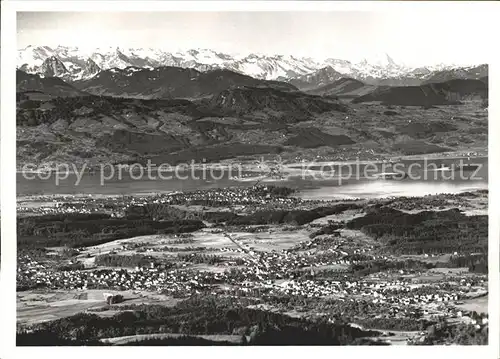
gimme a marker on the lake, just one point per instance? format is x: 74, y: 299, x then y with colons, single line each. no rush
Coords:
x: 329, y: 185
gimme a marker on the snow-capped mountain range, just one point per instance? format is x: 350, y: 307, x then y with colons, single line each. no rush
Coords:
x: 72, y: 64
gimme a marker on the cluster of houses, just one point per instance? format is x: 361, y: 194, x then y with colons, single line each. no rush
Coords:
x: 167, y: 282
x: 232, y: 195
x: 361, y: 290
x: 268, y: 272
x: 326, y: 243
x: 272, y: 273
x: 56, y: 209
x: 68, y: 204
x: 343, y: 154
x: 256, y: 195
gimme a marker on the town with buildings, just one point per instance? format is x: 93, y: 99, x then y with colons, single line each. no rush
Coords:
x: 254, y: 245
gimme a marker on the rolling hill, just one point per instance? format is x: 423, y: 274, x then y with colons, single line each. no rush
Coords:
x: 442, y: 93
x: 121, y: 130
x: 473, y: 73
x: 246, y: 100
x: 51, y: 86
x: 175, y: 114
x: 316, y: 79
x: 169, y: 82
x: 344, y: 88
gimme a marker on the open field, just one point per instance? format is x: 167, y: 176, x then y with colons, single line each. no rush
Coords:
x: 134, y: 339
x: 398, y: 337
x: 479, y: 304
x: 37, y: 306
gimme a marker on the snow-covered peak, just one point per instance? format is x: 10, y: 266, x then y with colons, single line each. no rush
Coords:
x: 33, y: 56
x: 379, y: 60
x: 53, y: 67
x: 204, y: 56
x: 342, y: 66
x: 262, y: 66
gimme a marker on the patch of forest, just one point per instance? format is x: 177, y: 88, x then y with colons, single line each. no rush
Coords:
x: 200, y: 315
x: 81, y: 230
x: 426, y: 232
x: 293, y: 217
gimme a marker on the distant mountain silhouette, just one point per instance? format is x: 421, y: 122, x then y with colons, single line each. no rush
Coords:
x: 53, y: 86
x: 442, y: 93
x: 249, y: 99
x: 344, y: 87
x: 169, y: 82
x: 316, y: 79
x: 474, y: 73
x: 176, y: 114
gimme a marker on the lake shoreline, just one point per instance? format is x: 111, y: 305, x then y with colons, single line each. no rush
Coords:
x: 254, y: 166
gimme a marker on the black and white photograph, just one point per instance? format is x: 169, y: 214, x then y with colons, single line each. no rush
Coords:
x: 252, y: 178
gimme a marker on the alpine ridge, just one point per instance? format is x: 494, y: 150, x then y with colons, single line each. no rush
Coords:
x: 74, y: 64
x: 169, y: 82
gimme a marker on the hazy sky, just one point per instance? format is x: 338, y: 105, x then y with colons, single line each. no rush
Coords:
x: 415, y: 38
